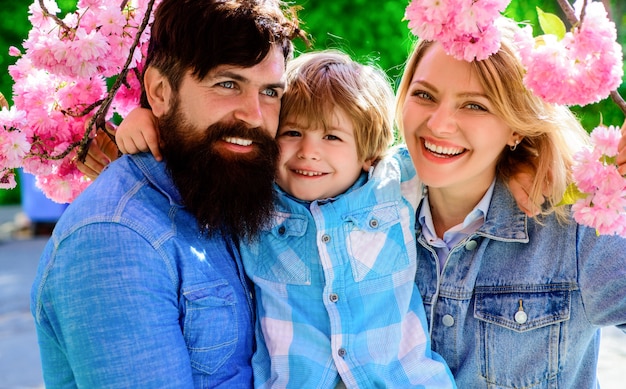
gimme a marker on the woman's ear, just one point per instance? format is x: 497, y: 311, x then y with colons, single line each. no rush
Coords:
x: 158, y: 91
x: 514, y: 140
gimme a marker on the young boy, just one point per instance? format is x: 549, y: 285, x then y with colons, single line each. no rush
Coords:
x: 334, y: 271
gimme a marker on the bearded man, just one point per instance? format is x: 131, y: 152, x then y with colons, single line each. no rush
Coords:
x: 141, y: 285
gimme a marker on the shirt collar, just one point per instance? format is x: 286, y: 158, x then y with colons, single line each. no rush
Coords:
x: 471, y: 223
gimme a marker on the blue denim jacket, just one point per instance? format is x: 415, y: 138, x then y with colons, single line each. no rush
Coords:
x: 519, y: 304
x: 130, y: 294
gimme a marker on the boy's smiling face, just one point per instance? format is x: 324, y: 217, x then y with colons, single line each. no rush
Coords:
x: 318, y: 163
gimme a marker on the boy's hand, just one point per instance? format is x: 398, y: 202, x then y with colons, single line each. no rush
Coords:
x: 138, y: 133
x: 621, y: 157
x: 520, y: 184
x: 102, y: 150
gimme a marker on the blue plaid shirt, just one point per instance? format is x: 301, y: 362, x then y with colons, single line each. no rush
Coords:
x: 335, y: 291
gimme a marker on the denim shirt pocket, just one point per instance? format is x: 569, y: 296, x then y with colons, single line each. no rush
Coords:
x: 210, y: 326
x: 516, y: 323
x: 375, y: 239
x: 282, y: 251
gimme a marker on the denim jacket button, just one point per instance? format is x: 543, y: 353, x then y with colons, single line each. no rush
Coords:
x: 471, y: 245
x: 447, y: 320
x: 521, y: 317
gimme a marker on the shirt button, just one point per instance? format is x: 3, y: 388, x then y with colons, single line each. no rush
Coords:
x: 281, y: 230
x: 341, y: 352
x: 447, y: 320
x: 374, y: 223
x: 521, y: 317
x: 471, y: 245
x: 333, y: 297
x: 325, y: 238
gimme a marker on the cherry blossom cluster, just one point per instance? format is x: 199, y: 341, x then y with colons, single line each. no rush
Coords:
x: 587, y: 60
x: 602, y: 203
x: 465, y: 28
x: 60, y: 80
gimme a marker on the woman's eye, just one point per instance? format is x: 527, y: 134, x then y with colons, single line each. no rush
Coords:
x: 422, y: 95
x: 476, y: 107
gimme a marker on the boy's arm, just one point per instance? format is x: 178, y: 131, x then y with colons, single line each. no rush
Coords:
x: 102, y: 150
x: 522, y: 180
x: 138, y: 132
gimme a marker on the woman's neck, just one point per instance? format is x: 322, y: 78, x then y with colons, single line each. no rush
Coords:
x: 450, y: 207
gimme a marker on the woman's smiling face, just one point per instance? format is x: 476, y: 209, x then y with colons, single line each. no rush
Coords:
x: 452, y: 131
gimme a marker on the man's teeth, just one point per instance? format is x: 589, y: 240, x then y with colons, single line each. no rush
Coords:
x: 442, y: 150
x: 238, y: 141
x: 308, y: 173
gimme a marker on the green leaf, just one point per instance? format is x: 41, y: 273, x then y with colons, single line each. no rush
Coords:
x: 571, y: 195
x: 551, y: 24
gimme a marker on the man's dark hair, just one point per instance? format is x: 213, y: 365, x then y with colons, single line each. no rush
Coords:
x: 203, y: 34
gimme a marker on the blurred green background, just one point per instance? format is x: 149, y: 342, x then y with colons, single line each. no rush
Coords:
x: 371, y: 31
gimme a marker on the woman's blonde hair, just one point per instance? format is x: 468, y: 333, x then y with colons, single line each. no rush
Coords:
x: 318, y: 82
x: 551, y: 133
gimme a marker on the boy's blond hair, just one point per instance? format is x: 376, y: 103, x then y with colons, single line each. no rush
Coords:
x: 318, y: 82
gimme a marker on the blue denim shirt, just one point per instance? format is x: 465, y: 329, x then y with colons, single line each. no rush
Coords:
x: 130, y: 294
x: 519, y: 304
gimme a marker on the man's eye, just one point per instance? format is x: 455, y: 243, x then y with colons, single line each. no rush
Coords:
x: 270, y: 92
x: 227, y: 84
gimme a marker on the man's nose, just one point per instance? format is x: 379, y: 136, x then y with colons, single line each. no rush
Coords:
x: 249, y: 111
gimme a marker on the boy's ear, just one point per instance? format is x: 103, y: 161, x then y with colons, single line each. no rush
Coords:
x: 158, y: 91
x: 368, y: 164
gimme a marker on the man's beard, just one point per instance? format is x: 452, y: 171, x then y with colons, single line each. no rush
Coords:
x: 228, y: 193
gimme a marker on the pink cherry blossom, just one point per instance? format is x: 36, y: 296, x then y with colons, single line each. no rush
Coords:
x: 463, y: 27
x: 588, y: 61
x: 604, y: 204
x: 60, y: 79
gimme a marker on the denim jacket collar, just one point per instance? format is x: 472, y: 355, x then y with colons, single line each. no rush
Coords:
x: 504, y: 220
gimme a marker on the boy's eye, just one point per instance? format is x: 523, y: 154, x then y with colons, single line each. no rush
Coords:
x: 290, y: 133
x: 331, y: 137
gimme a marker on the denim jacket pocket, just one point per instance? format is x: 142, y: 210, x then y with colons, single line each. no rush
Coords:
x: 281, y: 254
x: 376, y: 241
x: 210, y: 325
x: 515, y: 324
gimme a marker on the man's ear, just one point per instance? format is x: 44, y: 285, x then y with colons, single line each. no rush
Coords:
x: 158, y: 91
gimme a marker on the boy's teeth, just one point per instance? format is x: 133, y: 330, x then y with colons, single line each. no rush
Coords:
x: 308, y: 173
